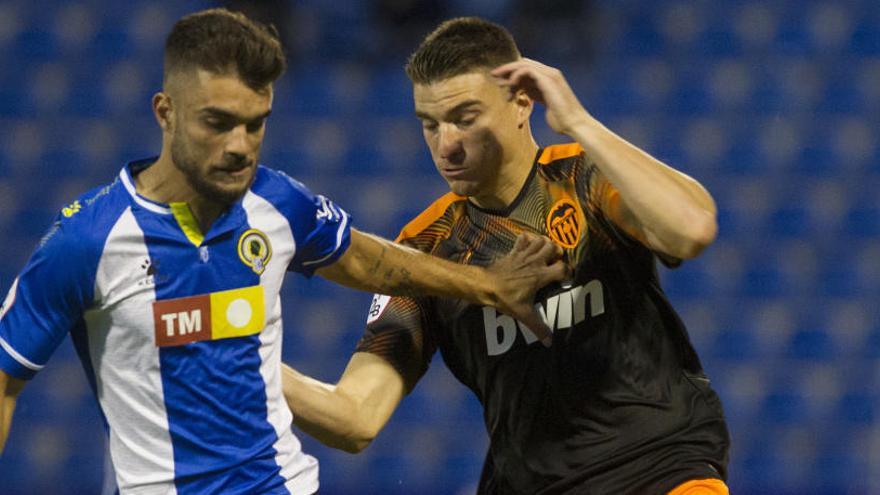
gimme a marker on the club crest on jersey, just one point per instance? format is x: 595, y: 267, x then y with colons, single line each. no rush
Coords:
x: 254, y: 250
x: 563, y: 223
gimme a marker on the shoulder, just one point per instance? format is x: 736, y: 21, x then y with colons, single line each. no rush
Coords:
x: 434, y: 223
x: 74, y: 243
x: 562, y: 160
x: 86, y: 221
x: 276, y: 186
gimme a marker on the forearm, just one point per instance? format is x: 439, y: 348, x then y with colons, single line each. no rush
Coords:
x: 676, y: 214
x: 379, y: 265
x: 322, y: 413
x: 349, y: 415
x: 6, y: 409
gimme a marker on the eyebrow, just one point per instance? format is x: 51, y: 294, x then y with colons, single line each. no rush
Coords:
x: 454, y: 110
x: 219, y: 112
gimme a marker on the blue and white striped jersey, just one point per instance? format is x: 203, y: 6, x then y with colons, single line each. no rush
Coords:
x: 179, y: 332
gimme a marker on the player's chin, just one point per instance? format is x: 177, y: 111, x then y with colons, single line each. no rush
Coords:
x: 230, y: 191
x: 463, y: 187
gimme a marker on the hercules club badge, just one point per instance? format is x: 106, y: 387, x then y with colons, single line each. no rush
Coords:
x: 254, y: 250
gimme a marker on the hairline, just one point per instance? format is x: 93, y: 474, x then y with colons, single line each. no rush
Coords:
x: 185, y: 71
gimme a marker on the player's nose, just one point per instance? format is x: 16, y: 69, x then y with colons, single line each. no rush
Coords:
x: 239, y: 142
x: 450, y: 144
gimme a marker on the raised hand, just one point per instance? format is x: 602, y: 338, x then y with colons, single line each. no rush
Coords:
x: 533, y: 263
x: 547, y: 86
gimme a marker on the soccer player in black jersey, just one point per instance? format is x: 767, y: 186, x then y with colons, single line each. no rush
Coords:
x: 618, y: 402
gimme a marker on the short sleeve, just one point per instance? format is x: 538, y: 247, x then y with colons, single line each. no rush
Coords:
x: 321, y: 229
x: 396, y: 331
x: 324, y: 235
x: 605, y: 200
x: 44, y: 303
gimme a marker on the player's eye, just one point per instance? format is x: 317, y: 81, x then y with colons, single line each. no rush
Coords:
x: 465, y: 123
x: 429, y: 125
x: 220, y: 125
x: 256, y: 126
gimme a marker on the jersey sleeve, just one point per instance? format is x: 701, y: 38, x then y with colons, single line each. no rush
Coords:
x: 44, y: 303
x: 396, y: 331
x: 321, y: 229
x: 605, y: 200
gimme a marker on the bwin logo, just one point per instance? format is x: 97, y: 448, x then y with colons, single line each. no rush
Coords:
x: 560, y: 311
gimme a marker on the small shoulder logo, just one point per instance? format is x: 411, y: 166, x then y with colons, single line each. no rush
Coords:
x: 563, y: 225
x: 254, y: 250
x: 72, y: 209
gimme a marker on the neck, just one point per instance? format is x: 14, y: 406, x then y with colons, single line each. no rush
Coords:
x: 163, y: 182
x: 512, y: 176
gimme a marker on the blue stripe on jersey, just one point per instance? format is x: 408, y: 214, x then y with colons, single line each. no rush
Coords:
x: 215, y: 396
x: 320, y: 227
x: 57, y: 283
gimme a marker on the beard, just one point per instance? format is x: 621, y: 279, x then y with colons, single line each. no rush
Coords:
x: 198, y: 180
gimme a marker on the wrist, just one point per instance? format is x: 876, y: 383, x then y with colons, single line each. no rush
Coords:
x: 486, y: 287
x: 587, y: 131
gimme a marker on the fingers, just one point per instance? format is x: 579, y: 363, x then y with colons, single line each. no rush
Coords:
x: 557, y: 272
x: 534, y: 248
x: 505, y: 69
x: 528, y: 244
x: 535, y: 322
x: 522, y: 241
x: 548, y: 251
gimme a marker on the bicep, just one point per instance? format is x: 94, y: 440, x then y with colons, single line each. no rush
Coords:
x: 10, y: 386
x: 615, y: 209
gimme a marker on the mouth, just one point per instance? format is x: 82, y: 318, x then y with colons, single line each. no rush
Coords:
x: 236, y: 171
x: 454, y: 172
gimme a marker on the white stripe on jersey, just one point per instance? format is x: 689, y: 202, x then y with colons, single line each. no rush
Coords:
x: 18, y: 357
x: 126, y: 181
x: 339, y: 234
x: 128, y: 378
x: 299, y: 469
x: 10, y: 299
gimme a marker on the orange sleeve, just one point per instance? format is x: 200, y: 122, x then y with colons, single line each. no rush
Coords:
x: 709, y: 486
x: 604, y: 196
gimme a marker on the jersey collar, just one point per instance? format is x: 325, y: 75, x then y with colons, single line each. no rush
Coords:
x: 229, y: 220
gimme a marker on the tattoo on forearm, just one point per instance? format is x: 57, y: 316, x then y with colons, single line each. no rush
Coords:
x: 399, y: 281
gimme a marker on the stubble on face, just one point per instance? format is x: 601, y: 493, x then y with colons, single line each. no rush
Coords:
x: 186, y: 161
x: 209, y: 170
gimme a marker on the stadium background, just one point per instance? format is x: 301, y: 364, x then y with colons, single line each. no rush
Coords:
x: 773, y: 105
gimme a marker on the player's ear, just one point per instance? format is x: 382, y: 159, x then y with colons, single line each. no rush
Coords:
x: 163, y: 109
x: 524, y: 106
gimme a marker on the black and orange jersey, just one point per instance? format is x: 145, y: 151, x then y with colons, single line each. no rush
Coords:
x: 619, y: 402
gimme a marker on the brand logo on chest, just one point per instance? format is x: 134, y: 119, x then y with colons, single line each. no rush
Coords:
x: 214, y: 316
x: 560, y: 311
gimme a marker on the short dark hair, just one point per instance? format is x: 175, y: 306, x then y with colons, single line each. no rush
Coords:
x: 221, y: 41
x: 458, y: 46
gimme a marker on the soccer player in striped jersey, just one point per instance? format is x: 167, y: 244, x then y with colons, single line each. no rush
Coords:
x: 168, y: 281
x: 618, y: 403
